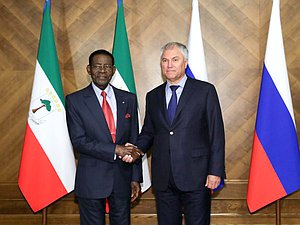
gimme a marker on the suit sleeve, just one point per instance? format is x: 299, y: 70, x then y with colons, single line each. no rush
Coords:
x: 80, y: 141
x: 216, y: 135
x: 137, y: 166
x: 145, y: 139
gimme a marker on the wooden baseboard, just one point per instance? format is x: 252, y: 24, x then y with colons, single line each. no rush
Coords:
x: 228, y: 207
x: 145, y: 219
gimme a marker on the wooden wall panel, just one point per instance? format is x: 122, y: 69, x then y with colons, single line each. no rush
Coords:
x: 234, y: 34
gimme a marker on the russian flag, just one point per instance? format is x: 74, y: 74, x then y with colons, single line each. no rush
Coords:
x: 275, y: 161
x: 196, y: 68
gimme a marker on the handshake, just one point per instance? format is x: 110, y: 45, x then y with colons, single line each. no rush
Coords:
x: 128, y: 153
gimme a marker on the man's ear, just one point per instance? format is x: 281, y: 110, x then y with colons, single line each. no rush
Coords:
x: 88, y: 69
x: 114, y: 69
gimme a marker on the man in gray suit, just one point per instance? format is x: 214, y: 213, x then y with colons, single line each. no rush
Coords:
x: 183, y: 124
x: 100, y: 143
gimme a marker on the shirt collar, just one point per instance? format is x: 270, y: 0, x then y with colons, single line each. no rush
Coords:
x: 181, y: 82
x: 98, y: 91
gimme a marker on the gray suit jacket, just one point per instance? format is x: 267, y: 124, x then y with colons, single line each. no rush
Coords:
x: 97, y: 172
x: 193, y: 146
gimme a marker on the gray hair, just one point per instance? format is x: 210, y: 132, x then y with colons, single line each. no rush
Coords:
x: 181, y: 47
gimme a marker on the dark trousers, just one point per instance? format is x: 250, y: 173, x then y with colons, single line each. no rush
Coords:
x: 171, y: 203
x: 92, y: 211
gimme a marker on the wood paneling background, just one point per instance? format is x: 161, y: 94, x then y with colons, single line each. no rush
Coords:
x: 234, y: 33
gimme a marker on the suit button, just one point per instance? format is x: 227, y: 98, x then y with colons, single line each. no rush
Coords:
x: 171, y: 132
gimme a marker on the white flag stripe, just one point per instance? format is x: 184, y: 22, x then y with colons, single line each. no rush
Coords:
x: 118, y: 81
x: 196, y: 55
x: 146, y: 176
x: 275, y: 58
x: 52, y: 125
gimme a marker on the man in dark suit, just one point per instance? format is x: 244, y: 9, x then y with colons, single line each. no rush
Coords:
x: 101, y: 119
x: 183, y: 122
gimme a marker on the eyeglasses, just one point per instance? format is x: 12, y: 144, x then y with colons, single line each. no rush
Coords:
x: 99, y: 67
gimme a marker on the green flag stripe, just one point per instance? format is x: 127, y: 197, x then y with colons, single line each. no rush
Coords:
x: 121, y: 50
x: 47, y: 56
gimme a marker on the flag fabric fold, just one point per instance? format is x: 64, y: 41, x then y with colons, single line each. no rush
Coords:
x: 47, y: 168
x: 196, y: 67
x: 275, y: 161
x: 123, y: 77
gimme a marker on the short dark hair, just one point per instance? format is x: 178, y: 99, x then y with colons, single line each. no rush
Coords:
x: 101, y: 52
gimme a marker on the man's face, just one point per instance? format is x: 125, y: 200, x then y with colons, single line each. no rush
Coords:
x: 101, y: 70
x: 173, y: 65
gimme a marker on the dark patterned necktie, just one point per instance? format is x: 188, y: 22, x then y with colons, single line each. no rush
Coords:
x: 172, y: 103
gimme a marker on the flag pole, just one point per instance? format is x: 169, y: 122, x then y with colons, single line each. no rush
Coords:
x: 278, y: 213
x: 44, y: 216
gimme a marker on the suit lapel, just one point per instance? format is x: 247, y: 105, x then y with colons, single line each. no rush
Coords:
x: 121, y: 111
x: 92, y: 103
x: 184, y: 98
x: 161, y: 100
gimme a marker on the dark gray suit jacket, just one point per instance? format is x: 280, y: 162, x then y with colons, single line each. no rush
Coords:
x: 97, y: 172
x: 193, y: 146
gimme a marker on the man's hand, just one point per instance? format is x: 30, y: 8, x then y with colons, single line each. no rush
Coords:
x: 122, y: 150
x: 212, y: 181
x: 135, y: 154
x: 135, y: 190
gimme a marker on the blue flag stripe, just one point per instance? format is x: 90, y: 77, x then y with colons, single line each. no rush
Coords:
x: 277, y: 133
x: 189, y: 72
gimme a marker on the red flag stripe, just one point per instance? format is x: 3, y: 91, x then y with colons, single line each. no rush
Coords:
x: 38, y: 179
x: 264, y: 185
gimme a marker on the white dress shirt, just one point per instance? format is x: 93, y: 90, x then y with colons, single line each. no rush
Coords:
x: 110, y: 98
x: 178, y: 91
